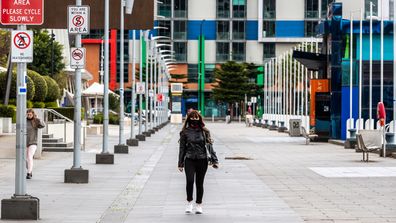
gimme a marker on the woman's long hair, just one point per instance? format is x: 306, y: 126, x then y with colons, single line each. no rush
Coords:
x: 34, y: 119
x: 195, y: 114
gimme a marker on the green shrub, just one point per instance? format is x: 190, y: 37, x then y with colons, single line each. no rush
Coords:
x: 61, y: 80
x: 29, y: 104
x: 8, y: 111
x: 52, y: 104
x: 98, y: 119
x: 40, y: 86
x: 68, y: 112
x: 53, y: 89
x: 13, y: 91
x: 12, y: 101
x: 39, y: 104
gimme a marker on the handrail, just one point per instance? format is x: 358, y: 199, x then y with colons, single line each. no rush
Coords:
x: 59, y: 115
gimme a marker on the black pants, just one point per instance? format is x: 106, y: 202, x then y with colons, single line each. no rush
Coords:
x: 195, y: 169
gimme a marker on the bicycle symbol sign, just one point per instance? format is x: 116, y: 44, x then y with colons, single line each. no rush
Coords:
x: 77, y: 54
x: 77, y: 58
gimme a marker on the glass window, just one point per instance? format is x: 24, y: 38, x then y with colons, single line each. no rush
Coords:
x: 192, y: 75
x: 209, y: 73
x: 239, y: 8
x: 269, y: 9
x: 311, y: 9
x: 164, y: 32
x: 238, y: 30
x: 179, y: 30
x: 223, y: 30
x: 391, y: 12
x: 165, y: 9
x: 222, y: 51
x: 180, y: 49
x: 125, y: 54
x: 180, y: 8
x: 268, y: 50
x: 268, y: 29
x: 367, y: 7
x: 238, y: 51
x: 223, y: 8
x: 325, y: 5
x: 310, y: 28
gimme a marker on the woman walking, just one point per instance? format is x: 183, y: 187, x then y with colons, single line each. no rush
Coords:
x: 195, y: 153
x: 32, y: 125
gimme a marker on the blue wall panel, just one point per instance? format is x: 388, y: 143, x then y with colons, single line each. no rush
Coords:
x: 208, y: 28
x: 345, y: 108
x: 289, y: 29
x: 388, y: 47
x: 252, y: 30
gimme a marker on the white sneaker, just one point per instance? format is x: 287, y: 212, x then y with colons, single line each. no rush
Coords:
x: 189, y: 208
x: 198, y: 209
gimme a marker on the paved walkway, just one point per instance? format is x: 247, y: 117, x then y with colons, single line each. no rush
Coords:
x: 285, y: 181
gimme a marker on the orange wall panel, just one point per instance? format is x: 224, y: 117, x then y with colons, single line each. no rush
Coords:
x: 321, y: 86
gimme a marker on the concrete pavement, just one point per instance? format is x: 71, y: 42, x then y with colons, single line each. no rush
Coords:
x: 281, y: 182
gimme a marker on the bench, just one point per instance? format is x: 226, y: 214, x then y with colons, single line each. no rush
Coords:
x: 369, y: 141
x: 308, y: 136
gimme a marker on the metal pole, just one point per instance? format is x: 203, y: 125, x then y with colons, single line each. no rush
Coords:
x: 290, y: 84
x: 382, y: 51
x: 121, y: 124
x: 156, y: 111
x: 298, y: 84
x: 141, y: 80
x: 351, y: 72
x: 394, y: 68
x: 371, y: 66
x: 360, y: 68
x: 151, y: 84
x: 133, y: 93
x: 306, y: 91
x: 105, y: 148
x: 77, y: 109
x: 295, y: 86
x: 20, y: 165
x: 146, y: 81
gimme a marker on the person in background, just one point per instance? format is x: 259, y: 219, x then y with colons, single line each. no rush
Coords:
x: 228, y: 118
x: 32, y: 125
x: 194, y: 151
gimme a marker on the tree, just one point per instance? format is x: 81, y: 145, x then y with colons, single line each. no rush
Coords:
x: 44, y: 49
x: 41, y: 87
x: 53, y: 89
x: 232, y: 83
x: 5, y: 39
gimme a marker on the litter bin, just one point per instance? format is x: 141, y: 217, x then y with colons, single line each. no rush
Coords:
x: 295, y: 125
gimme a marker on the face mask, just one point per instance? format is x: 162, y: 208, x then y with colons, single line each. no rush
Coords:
x: 195, y: 122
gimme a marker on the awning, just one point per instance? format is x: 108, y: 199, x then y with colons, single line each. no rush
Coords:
x: 313, y: 61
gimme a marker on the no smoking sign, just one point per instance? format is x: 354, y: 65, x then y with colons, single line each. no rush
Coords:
x: 78, y: 19
x: 22, y: 46
x: 77, y: 58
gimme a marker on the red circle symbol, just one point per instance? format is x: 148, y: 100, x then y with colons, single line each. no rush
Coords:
x: 78, y: 20
x: 77, y: 54
x: 22, y: 40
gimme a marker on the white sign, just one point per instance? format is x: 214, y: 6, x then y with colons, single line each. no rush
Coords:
x: 78, y: 19
x: 254, y: 100
x: 176, y: 106
x: 22, y: 46
x: 140, y: 87
x: 177, y: 87
x: 77, y: 58
x: 151, y: 93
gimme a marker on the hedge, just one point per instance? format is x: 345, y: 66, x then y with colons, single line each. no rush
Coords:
x: 68, y: 112
x: 113, y: 119
x: 51, y: 104
x: 3, y: 86
x: 13, y: 101
x: 8, y: 111
x: 40, y: 86
x: 39, y: 105
x: 53, y: 89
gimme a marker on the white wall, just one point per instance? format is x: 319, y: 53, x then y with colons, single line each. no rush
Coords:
x: 210, y: 51
x: 252, y: 12
x: 290, y: 9
x: 283, y: 47
x: 254, y: 52
x: 192, y: 52
x: 201, y: 9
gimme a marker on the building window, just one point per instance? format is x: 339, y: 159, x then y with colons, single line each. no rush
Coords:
x: 180, y: 49
x: 310, y: 28
x: 165, y: 9
x: 311, y: 9
x: 268, y: 50
x: 324, y: 7
x: 167, y: 25
x: 375, y: 7
x: 238, y: 30
x: 222, y: 51
x: 180, y: 30
x: 223, y: 30
x: 269, y: 9
x: 268, y: 29
x: 223, y: 8
x: 209, y: 73
x: 192, y: 75
x: 239, y: 8
x: 238, y: 51
x: 180, y: 8
x: 391, y: 12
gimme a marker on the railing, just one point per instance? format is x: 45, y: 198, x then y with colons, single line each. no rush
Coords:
x: 52, y: 116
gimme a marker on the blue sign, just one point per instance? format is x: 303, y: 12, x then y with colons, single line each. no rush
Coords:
x: 22, y: 90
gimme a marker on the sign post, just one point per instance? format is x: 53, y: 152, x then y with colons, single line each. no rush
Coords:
x: 79, y: 17
x: 21, y: 13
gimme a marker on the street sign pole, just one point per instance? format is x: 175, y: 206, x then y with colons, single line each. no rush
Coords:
x: 105, y: 157
x: 133, y: 141
x: 121, y: 147
x: 146, y: 130
x: 141, y: 136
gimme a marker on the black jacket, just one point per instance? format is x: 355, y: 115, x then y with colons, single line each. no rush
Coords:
x: 192, y: 146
